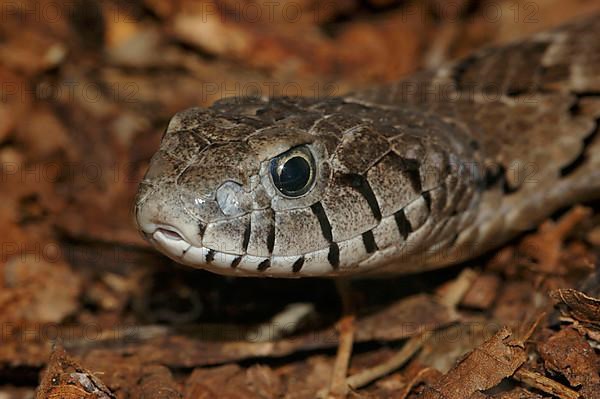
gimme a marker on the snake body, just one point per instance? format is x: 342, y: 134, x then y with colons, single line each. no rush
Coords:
x: 422, y: 173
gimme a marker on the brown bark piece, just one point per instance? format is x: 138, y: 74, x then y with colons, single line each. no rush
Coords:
x: 518, y: 393
x: 593, y: 236
x: 120, y: 373
x: 568, y: 353
x: 66, y: 379
x: 403, y: 319
x: 482, y: 369
x: 157, y: 383
x: 544, y: 247
x: 483, y: 292
x: 545, y: 384
x: 514, y: 303
x: 578, y: 307
x: 233, y: 382
x: 38, y: 290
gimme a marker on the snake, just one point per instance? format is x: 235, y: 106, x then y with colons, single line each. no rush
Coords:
x: 429, y: 171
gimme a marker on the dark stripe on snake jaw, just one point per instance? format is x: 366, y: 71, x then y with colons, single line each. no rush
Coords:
x: 319, y: 212
x: 369, y: 241
x: 236, y: 262
x: 403, y: 224
x: 264, y: 265
x: 297, y: 266
x: 271, y: 238
x: 334, y: 251
x: 361, y: 184
x: 210, y: 255
x: 334, y: 255
x: 246, y: 239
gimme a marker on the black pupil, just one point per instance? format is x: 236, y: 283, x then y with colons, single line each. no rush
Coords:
x: 294, y: 176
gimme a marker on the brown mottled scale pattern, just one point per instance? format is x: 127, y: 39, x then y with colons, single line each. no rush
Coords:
x: 414, y: 175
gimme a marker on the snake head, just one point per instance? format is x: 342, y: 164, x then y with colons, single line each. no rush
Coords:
x: 213, y: 189
x: 293, y: 187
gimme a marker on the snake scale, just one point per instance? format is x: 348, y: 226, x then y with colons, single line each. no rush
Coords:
x: 425, y: 172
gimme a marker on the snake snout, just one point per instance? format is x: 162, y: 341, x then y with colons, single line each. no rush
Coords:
x: 161, y: 218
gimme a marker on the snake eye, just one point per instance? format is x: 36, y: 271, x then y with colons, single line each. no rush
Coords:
x: 293, y: 172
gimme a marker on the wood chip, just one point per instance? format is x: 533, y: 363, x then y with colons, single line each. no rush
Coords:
x: 482, y: 369
x: 580, y: 306
x: 66, y: 379
x: 36, y: 289
x: 157, y: 383
x: 567, y: 352
x: 545, y: 384
x: 544, y: 247
x: 483, y: 292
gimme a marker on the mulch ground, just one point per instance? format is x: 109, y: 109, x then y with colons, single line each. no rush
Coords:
x: 88, y: 310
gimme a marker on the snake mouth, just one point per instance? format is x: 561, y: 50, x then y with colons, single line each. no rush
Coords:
x: 169, y: 233
x: 170, y: 239
x: 174, y: 244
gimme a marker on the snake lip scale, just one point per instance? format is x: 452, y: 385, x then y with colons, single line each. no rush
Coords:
x: 176, y: 246
x: 385, y: 180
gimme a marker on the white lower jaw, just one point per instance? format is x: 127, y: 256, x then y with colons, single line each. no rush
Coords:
x: 173, y: 248
x: 316, y: 263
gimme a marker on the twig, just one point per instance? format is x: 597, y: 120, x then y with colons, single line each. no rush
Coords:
x: 545, y: 384
x: 338, y: 385
x: 279, y: 326
x: 451, y: 298
x: 420, y: 377
x: 458, y: 288
x: 367, y: 376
